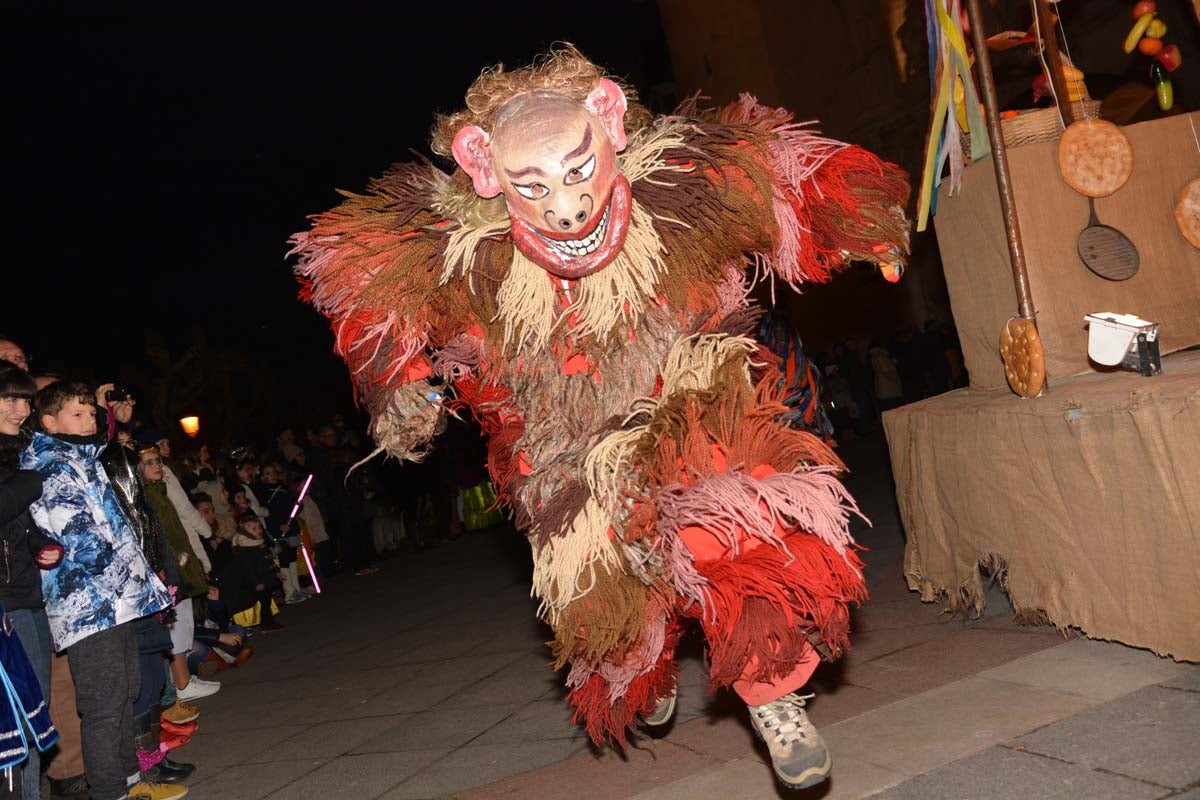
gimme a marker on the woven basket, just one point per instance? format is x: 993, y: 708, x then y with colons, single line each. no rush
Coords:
x: 1044, y: 124
x: 1039, y: 124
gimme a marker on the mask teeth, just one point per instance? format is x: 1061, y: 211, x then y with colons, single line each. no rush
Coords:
x: 574, y: 248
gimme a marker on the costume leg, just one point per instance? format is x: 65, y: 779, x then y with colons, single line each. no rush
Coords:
x: 766, y: 608
x: 758, y: 692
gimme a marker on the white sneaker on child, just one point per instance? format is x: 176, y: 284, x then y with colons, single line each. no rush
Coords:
x: 197, y: 688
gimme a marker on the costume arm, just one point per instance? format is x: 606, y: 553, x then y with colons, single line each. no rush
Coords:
x: 374, y: 267
x: 833, y: 203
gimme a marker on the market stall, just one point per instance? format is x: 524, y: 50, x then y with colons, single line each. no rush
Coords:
x: 1083, y: 495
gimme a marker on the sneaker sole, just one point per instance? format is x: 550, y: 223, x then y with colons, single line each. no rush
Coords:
x: 185, y: 721
x: 809, y: 777
x: 659, y: 720
x: 187, y: 718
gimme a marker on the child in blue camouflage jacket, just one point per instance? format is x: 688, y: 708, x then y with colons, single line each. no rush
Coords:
x: 102, y: 583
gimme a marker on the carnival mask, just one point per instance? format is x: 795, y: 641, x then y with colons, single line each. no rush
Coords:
x: 554, y: 159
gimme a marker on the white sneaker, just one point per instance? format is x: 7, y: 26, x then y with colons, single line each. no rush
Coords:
x: 664, y: 711
x: 798, y: 752
x: 197, y: 688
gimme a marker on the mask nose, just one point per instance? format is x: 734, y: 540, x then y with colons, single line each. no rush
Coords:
x: 566, y: 223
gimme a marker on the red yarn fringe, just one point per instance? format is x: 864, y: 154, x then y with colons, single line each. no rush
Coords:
x: 762, y: 607
x: 607, y: 721
x: 853, y: 205
x: 491, y: 407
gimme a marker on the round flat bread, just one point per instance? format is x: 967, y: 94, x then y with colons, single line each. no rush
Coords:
x: 1024, y: 359
x: 1187, y: 213
x: 1094, y: 157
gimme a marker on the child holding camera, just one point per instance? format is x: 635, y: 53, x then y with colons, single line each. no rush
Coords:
x: 102, y: 583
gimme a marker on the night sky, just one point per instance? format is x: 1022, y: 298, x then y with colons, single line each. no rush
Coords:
x: 158, y: 165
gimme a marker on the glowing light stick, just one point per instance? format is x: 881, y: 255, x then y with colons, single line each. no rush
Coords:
x: 312, y: 573
x: 300, y: 498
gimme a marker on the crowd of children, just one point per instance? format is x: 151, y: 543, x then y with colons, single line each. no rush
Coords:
x: 132, y: 576
x: 130, y: 580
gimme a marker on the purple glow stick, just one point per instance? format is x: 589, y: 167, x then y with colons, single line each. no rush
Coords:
x: 300, y: 499
x: 312, y: 573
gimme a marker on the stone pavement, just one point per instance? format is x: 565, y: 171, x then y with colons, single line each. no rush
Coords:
x: 431, y: 680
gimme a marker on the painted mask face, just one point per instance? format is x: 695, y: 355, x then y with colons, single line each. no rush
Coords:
x: 555, y: 161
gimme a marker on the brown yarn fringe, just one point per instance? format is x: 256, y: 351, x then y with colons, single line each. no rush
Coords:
x: 713, y: 179
x: 603, y: 624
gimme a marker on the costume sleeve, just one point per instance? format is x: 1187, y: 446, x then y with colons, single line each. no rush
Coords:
x: 834, y: 203
x: 193, y: 524
x: 375, y: 266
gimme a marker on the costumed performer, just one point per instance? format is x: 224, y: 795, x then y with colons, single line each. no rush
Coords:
x: 580, y: 285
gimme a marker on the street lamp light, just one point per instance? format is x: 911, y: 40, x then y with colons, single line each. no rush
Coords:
x: 190, y: 425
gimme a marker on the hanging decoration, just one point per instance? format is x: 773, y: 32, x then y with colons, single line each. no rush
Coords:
x: 954, y: 108
x: 1146, y: 36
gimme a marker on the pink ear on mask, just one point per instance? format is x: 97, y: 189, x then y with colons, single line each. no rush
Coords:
x: 607, y: 102
x: 473, y: 153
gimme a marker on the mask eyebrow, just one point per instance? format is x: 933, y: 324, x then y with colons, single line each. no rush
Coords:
x: 526, y: 171
x: 583, y: 146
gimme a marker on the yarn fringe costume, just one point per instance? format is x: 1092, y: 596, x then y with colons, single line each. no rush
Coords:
x: 635, y: 429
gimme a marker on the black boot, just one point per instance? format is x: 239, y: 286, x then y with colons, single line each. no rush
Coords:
x: 73, y: 788
x: 168, y: 770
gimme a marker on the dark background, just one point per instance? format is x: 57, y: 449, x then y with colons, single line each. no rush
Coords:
x: 158, y: 164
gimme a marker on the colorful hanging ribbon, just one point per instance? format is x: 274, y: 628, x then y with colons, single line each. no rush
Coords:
x: 951, y: 85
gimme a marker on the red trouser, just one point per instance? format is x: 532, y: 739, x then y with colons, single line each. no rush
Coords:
x: 704, y: 546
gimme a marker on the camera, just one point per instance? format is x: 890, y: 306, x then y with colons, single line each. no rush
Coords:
x: 116, y: 394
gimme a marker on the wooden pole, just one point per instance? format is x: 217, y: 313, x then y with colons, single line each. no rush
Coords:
x: 1008, y: 205
x: 1049, y: 45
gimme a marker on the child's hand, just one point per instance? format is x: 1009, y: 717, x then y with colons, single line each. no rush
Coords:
x: 258, y: 587
x: 230, y: 639
x: 49, y: 556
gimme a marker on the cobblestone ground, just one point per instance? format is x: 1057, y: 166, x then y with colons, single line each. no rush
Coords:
x: 430, y: 679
